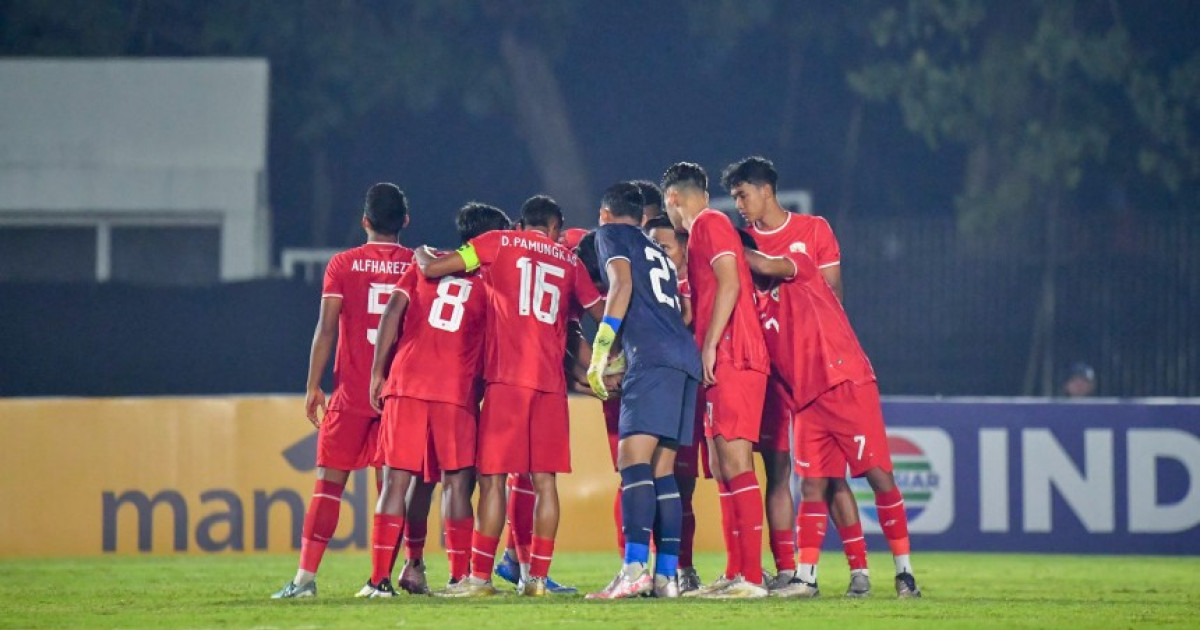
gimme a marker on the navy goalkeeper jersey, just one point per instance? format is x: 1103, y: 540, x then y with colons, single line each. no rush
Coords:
x: 652, y: 333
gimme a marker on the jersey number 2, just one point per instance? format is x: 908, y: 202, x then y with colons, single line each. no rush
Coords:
x: 659, y: 275
x: 535, y: 290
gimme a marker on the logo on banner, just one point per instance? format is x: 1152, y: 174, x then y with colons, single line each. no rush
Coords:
x: 923, y: 465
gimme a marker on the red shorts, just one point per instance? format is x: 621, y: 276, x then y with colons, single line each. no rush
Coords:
x: 348, y: 441
x: 612, y: 416
x: 523, y: 430
x: 733, y: 407
x: 843, y: 426
x: 426, y: 437
x: 773, y: 434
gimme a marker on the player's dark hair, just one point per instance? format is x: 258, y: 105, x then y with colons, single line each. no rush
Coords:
x: 755, y: 170
x: 478, y: 218
x: 663, y: 223
x: 586, y: 251
x: 540, y: 211
x: 686, y: 175
x: 651, y: 195
x: 624, y: 199
x: 747, y: 241
x: 386, y: 208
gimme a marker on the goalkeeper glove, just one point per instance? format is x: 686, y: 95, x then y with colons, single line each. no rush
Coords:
x: 606, y: 334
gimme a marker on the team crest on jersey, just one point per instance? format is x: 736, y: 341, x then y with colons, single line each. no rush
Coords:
x: 798, y: 248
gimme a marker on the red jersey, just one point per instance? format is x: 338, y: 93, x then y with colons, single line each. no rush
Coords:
x: 362, y: 278
x: 712, y: 236
x: 813, y: 348
x: 804, y: 234
x: 439, y: 356
x: 532, y: 283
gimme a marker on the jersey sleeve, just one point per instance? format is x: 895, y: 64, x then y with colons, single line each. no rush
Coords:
x: 485, y: 246
x: 609, y: 247
x: 585, y: 292
x: 826, y: 252
x: 407, y: 284
x: 806, y: 269
x: 717, y: 239
x: 332, y: 284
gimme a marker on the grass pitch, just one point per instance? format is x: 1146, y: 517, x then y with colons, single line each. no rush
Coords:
x: 961, y: 590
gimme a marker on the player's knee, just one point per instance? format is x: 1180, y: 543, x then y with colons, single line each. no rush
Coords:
x: 881, y: 480
x: 813, y: 488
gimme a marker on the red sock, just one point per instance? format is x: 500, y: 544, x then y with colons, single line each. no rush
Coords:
x: 618, y: 521
x: 521, y: 500
x: 783, y: 547
x: 893, y: 520
x: 811, y: 521
x: 483, y: 555
x: 748, y: 505
x: 414, y: 539
x: 855, y: 546
x: 541, y: 554
x: 385, y: 537
x: 458, y: 546
x: 320, y: 522
x: 733, y: 554
x: 687, y: 536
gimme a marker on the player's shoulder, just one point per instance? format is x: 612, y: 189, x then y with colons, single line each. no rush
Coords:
x: 342, y: 260
x: 813, y: 223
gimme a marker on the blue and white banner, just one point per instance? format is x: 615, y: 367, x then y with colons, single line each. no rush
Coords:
x: 1041, y: 476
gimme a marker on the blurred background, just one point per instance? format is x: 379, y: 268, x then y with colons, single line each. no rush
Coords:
x: 1014, y: 184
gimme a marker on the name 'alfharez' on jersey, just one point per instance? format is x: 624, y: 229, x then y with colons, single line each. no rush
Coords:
x: 367, y: 265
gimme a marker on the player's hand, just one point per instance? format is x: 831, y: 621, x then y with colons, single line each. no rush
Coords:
x: 616, y: 365
x: 612, y: 382
x: 314, y: 401
x: 595, y: 377
x: 708, y: 357
x: 376, y: 396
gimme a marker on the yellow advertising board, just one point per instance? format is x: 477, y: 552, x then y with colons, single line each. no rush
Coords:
x: 227, y: 475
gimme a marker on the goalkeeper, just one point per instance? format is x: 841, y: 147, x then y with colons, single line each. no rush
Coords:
x: 658, y: 392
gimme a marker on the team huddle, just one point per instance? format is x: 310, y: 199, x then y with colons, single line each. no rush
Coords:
x: 711, y: 344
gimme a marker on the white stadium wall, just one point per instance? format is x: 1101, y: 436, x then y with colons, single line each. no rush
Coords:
x: 163, y: 142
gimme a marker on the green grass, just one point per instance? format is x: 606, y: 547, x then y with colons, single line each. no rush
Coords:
x: 961, y: 590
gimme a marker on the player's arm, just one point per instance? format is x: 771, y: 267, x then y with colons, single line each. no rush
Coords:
x: 385, y: 344
x: 793, y: 266
x: 828, y: 257
x: 323, y: 342
x: 728, y: 287
x: 433, y: 266
x: 578, y: 356
x: 833, y: 275
x: 620, y: 292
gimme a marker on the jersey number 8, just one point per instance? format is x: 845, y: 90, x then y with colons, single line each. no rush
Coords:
x: 452, y: 292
